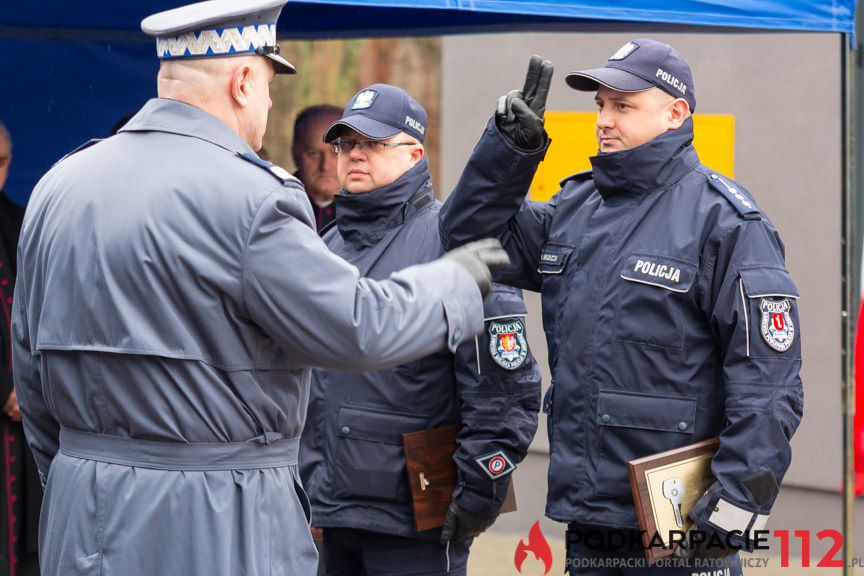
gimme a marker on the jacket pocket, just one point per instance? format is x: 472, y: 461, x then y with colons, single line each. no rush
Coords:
x: 552, y: 268
x: 553, y: 259
x: 631, y: 425
x: 769, y: 300
x: 369, y: 460
x: 651, y: 295
x: 302, y: 497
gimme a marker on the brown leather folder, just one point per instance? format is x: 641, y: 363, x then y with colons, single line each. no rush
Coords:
x: 432, y: 473
x: 665, y: 481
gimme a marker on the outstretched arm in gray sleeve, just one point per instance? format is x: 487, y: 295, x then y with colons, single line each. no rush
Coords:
x: 322, y: 313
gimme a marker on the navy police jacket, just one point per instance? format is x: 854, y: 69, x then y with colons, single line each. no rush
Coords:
x: 670, y: 318
x: 351, y: 457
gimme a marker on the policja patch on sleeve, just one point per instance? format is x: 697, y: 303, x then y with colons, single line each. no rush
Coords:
x: 507, y: 344
x: 495, y: 464
x: 776, y: 324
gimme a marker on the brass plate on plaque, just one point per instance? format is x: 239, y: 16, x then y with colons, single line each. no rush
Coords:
x: 665, y: 481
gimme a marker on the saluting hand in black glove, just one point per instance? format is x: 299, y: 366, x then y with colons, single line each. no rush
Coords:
x: 460, y: 524
x: 520, y: 113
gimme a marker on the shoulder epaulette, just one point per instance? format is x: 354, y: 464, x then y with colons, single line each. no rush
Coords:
x: 276, y: 171
x: 87, y: 144
x: 422, y: 197
x: 578, y: 177
x: 739, y: 200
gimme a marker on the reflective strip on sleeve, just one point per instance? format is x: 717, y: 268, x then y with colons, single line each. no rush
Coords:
x: 729, y: 517
x: 760, y: 523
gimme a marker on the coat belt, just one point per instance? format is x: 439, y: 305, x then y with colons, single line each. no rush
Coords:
x: 259, y: 452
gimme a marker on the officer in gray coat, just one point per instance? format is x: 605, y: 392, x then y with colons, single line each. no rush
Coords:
x: 173, y: 296
x: 352, y: 459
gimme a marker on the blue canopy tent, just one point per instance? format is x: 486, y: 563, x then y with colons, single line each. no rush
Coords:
x: 73, y: 69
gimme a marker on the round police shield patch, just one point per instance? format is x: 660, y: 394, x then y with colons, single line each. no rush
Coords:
x: 776, y: 325
x: 507, y: 344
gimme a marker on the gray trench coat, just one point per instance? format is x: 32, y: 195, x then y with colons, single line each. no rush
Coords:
x: 173, y: 294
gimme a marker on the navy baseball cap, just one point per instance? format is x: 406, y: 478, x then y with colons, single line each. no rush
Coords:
x: 379, y: 112
x: 639, y: 65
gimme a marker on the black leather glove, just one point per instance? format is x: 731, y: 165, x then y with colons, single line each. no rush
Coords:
x: 480, y: 258
x: 700, y: 543
x: 459, y: 524
x: 520, y: 113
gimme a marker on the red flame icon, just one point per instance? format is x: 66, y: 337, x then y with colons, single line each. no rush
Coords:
x: 538, y: 545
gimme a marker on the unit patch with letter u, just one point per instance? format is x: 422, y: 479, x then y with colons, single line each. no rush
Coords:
x: 507, y: 344
x: 776, y: 325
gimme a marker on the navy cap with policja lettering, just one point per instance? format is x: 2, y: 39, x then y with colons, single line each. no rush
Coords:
x: 219, y: 28
x: 639, y: 65
x: 381, y: 111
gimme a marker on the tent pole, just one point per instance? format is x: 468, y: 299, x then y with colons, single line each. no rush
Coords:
x: 848, y: 305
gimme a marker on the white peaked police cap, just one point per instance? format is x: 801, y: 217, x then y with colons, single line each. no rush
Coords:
x: 219, y: 28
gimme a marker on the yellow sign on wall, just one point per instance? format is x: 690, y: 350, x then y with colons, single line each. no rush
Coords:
x: 573, y: 142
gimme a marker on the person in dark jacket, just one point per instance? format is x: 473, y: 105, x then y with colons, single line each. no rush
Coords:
x: 668, y: 309
x: 352, y: 460
x: 19, y: 509
x: 315, y: 159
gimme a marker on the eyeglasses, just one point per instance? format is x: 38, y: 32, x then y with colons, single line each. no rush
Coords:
x: 346, y: 146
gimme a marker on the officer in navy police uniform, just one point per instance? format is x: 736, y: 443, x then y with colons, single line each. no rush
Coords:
x: 351, y: 459
x: 173, y: 297
x: 668, y: 309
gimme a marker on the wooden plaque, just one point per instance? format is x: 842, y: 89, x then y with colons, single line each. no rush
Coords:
x: 683, y: 473
x: 432, y: 474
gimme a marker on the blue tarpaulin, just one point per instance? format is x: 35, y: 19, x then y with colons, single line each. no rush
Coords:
x: 323, y: 17
x: 73, y: 69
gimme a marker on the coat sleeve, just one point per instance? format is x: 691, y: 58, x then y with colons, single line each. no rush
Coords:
x: 40, y: 427
x: 754, y: 317
x: 499, y: 392
x: 322, y: 313
x: 489, y: 200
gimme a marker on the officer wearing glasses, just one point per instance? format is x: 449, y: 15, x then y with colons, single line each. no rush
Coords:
x: 351, y: 459
x: 315, y: 159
